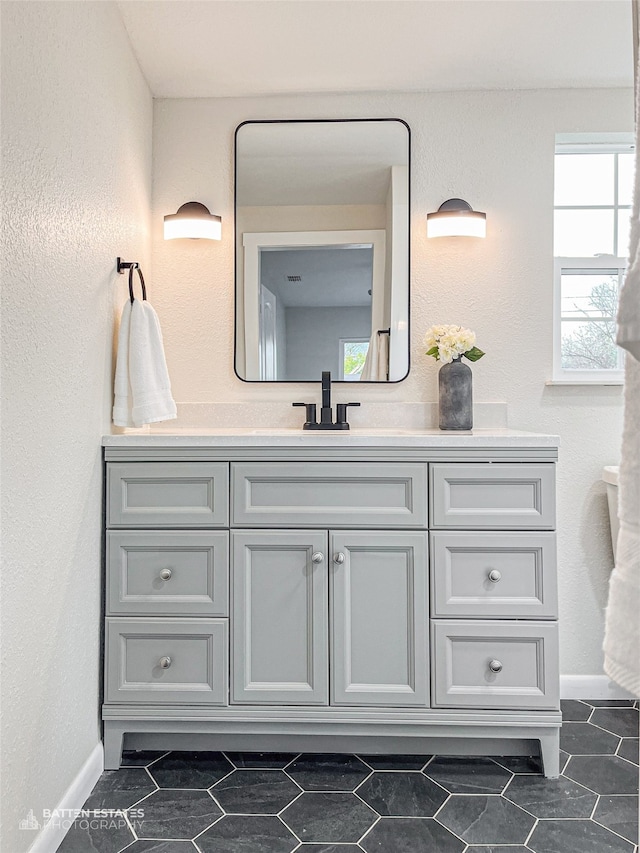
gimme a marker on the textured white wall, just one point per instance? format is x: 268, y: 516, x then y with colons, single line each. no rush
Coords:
x: 494, y: 149
x: 76, y: 137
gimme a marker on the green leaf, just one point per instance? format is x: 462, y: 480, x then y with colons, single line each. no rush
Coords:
x: 433, y: 351
x: 473, y: 354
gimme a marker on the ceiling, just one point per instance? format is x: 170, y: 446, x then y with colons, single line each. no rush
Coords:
x: 229, y: 48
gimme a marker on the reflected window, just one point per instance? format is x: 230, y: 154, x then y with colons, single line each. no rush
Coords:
x: 353, y: 354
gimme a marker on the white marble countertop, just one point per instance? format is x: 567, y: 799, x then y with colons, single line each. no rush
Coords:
x: 347, y: 438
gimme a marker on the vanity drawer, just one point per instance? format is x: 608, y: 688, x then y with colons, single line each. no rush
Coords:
x: 506, y: 575
x: 172, y: 661
x: 168, y: 573
x: 493, y: 495
x: 524, y: 655
x: 357, y: 494
x: 167, y: 494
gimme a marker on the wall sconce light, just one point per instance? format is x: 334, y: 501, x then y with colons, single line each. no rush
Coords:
x: 456, y: 218
x: 193, y: 220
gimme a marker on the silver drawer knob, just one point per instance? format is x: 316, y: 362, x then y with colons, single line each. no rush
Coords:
x: 165, y: 663
x: 495, y: 666
x: 165, y: 574
x: 495, y: 575
x: 317, y: 557
x: 338, y: 558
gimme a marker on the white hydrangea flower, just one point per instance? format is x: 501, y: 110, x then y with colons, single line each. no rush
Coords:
x: 450, y: 341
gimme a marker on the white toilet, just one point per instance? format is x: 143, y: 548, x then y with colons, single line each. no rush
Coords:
x: 610, y: 476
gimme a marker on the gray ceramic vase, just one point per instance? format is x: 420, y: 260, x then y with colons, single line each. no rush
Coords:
x: 455, y: 395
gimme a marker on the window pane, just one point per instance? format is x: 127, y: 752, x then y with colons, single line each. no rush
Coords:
x: 589, y: 346
x: 584, y: 179
x: 583, y: 233
x: 625, y: 178
x: 355, y: 353
x: 624, y: 232
x: 584, y: 296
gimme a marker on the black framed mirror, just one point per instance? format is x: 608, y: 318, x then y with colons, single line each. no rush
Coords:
x: 322, y: 237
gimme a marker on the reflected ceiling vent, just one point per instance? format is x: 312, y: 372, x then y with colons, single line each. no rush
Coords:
x: 294, y: 278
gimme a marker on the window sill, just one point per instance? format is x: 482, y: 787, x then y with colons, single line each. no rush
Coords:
x: 612, y: 381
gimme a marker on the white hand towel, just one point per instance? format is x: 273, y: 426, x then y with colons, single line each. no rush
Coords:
x: 148, y: 375
x: 376, y: 364
x: 122, y: 387
x: 622, y: 632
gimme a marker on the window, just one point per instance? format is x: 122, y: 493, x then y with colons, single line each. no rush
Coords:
x: 353, y: 353
x: 592, y: 210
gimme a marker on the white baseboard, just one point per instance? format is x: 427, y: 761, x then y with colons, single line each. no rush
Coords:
x: 51, y: 835
x: 591, y: 687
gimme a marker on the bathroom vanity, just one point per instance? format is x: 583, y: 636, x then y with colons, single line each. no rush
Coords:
x: 357, y: 592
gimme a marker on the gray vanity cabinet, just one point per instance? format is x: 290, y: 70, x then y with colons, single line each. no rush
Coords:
x: 379, y: 618
x: 280, y: 617
x: 332, y: 598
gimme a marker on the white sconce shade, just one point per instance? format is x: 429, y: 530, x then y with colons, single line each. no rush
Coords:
x: 193, y: 220
x: 456, y: 218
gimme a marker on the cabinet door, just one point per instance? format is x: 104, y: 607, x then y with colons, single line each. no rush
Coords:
x: 379, y: 618
x: 280, y: 619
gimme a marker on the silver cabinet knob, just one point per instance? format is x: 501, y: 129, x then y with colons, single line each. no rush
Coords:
x: 494, y: 575
x: 165, y: 663
x: 165, y: 574
x: 317, y: 557
x: 338, y: 558
x: 495, y: 666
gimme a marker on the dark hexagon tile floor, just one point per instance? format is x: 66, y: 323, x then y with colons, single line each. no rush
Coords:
x: 329, y: 817
x: 253, y: 802
x: 328, y: 772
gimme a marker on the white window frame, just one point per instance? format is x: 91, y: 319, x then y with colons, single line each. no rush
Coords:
x: 605, y: 262
x: 562, y: 375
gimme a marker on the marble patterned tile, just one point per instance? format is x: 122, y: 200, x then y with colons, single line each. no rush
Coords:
x: 247, y: 834
x: 629, y: 749
x: 468, y: 775
x: 498, y: 848
x: 396, y: 762
x: 176, y: 814
x: 564, y: 757
x: 328, y: 772
x: 520, y: 763
x: 255, y: 792
x: 551, y: 798
x: 119, y: 789
x: 154, y: 846
x: 486, y: 819
x: 604, y: 774
x: 261, y: 760
x: 575, y: 710
x: 329, y: 817
x: 575, y: 836
x: 402, y: 794
x: 410, y: 835
x: 190, y: 769
x: 624, y: 722
x: 140, y: 757
x: 330, y: 848
x: 83, y: 838
x: 610, y: 703
x: 585, y: 739
x: 619, y: 813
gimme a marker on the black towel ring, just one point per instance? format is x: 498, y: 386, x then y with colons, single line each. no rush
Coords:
x: 144, y: 289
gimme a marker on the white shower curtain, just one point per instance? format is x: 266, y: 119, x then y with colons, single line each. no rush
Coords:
x: 622, y: 633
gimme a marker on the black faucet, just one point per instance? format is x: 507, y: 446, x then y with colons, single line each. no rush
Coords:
x: 326, y: 412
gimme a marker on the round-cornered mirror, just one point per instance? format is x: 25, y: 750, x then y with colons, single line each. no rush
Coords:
x: 322, y: 250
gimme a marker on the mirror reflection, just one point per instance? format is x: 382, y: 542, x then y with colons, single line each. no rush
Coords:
x: 322, y: 250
